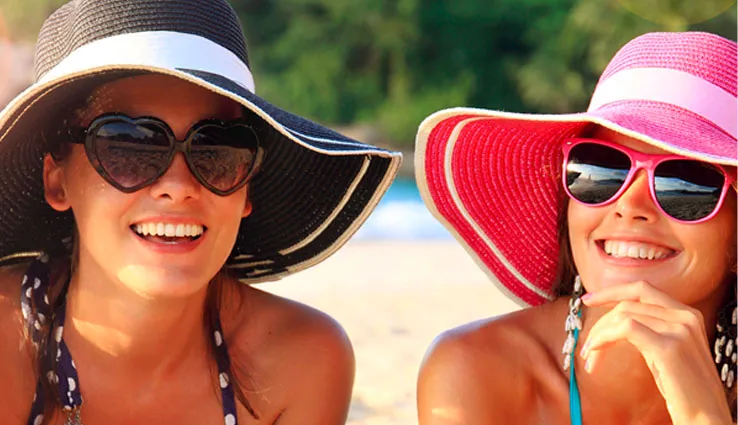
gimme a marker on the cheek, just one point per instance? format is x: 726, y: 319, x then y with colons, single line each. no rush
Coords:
x: 228, y: 211
x: 582, y: 221
x: 89, y: 195
x: 712, y: 244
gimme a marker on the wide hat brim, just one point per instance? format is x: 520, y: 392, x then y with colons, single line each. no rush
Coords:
x: 312, y: 193
x: 493, y: 179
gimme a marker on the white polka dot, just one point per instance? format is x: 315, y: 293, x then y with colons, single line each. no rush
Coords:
x: 36, y: 283
x: 230, y: 419
x: 58, y: 333
x: 74, y: 365
x: 46, y: 299
x: 37, y: 325
x: 25, y: 279
x: 38, y: 420
x: 51, y: 376
x: 26, y: 311
x: 218, y: 339
x: 223, y: 380
x: 41, y: 318
x: 72, y: 384
x: 58, y: 353
x: 29, y: 292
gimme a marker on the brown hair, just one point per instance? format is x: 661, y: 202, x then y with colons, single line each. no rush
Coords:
x: 566, y: 272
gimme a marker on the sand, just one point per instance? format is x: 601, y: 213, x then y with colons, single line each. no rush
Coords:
x: 393, y: 299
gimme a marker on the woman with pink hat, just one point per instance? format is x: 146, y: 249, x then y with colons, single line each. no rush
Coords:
x: 617, y: 227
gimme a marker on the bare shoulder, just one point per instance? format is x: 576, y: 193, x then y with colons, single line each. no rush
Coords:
x: 276, y: 323
x: 15, y: 361
x: 487, y: 371
x: 301, y: 357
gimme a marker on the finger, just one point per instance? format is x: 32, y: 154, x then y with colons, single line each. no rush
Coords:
x: 679, y: 313
x: 616, y: 328
x: 686, y: 315
x: 640, y: 291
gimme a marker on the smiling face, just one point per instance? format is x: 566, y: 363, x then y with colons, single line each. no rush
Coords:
x: 630, y: 239
x: 169, y: 238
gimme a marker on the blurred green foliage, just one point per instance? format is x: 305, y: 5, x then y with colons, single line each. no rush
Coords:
x: 390, y: 63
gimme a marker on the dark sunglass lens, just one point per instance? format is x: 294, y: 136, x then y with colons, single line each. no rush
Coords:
x: 131, y: 154
x: 223, y: 156
x: 594, y: 173
x: 688, y: 190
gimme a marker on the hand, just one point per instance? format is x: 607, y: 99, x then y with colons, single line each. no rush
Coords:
x: 671, y: 338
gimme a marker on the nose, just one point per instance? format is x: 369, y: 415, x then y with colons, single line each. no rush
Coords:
x: 177, y: 184
x: 636, y: 203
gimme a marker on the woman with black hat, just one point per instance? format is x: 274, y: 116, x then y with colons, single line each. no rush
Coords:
x: 144, y: 185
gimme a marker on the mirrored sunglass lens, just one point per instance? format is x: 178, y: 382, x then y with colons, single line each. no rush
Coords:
x: 223, y: 157
x: 594, y: 173
x: 688, y: 190
x: 131, y: 154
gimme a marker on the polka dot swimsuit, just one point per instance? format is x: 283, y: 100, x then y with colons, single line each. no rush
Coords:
x: 64, y: 374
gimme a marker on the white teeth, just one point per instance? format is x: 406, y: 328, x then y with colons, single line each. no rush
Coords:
x: 635, y: 250
x: 168, y: 229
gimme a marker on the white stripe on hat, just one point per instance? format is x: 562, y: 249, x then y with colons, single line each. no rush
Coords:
x: 660, y: 85
x: 160, y: 49
x: 459, y: 204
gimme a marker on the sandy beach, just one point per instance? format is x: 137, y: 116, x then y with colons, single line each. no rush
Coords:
x: 411, y: 291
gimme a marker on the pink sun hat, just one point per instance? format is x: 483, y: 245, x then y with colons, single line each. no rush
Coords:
x: 493, y: 178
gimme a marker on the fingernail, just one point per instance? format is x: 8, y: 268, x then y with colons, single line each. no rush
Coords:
x: 587, y: 296
x: 584, y: 351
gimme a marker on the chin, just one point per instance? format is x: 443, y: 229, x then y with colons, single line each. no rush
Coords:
x: 158, y: 281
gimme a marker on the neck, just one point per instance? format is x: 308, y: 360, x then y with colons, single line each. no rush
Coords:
x: 117, y: 329
x: 621, y: 385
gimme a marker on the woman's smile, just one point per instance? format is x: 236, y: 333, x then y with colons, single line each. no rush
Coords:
x: 635, y: 250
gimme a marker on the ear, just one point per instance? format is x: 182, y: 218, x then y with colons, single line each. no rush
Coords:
x: 247, y: 207
x: 54, y: 190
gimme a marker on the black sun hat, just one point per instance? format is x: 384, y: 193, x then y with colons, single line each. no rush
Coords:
x: 315, y: 186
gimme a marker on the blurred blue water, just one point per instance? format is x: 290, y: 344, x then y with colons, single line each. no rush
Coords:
x: 401, y: 215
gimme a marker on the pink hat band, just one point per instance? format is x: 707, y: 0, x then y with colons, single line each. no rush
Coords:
x: 657, y: 85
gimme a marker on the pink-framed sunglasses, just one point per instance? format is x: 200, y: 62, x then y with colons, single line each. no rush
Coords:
x: 597, y: 172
